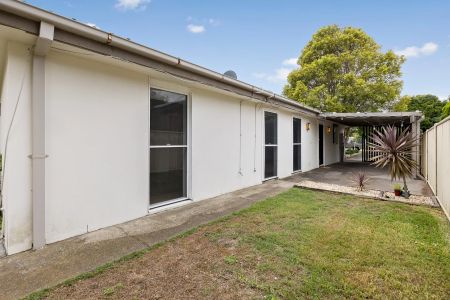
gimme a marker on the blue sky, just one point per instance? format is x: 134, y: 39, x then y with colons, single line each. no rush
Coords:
x: 259, y: 38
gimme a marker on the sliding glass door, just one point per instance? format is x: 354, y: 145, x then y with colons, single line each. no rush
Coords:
x: 297, y: 142
x: 270, y: 145
x: 168, y: 147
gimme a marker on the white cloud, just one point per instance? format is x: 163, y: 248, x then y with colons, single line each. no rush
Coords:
x: 290, y: 61
x: 279, y: 76
x: 131, y: 4
x: 196, y: 25
x: 414, y: 51
x: 196, y: 28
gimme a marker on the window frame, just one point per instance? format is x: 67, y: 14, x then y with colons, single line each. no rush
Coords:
x: 269, y: 145
x: 187, y: 145
x: 296, y: 144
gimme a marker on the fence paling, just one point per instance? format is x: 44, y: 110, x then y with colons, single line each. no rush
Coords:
x: 435, y: 162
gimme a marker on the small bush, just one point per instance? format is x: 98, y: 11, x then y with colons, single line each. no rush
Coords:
x: 360, y: 179
x: 351, y: 151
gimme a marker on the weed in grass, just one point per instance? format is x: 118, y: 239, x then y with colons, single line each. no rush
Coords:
x: 111, y: 290
x: 230, y: 259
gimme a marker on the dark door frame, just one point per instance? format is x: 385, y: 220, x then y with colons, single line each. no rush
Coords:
x: 320, y: 144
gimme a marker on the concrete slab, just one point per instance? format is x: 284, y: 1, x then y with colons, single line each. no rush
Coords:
x: 342, y: 173
x: 26, y: 272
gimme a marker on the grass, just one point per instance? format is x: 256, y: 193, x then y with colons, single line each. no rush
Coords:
x: 299, y: 244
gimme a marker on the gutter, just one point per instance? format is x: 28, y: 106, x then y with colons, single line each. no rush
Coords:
x: 83, y: 30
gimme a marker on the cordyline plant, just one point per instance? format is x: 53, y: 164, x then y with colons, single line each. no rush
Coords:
x: 394, y: 149
x: 360, y: 179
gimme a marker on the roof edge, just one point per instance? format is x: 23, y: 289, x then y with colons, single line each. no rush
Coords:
x: 36, y: 14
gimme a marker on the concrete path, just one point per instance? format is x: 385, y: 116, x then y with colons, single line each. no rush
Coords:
x: 26, y: 272
x: 354, y: 158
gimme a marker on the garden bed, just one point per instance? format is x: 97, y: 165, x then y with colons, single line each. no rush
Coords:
x: 374, y: 194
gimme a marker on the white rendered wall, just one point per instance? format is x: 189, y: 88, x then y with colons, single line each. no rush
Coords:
x: 216, y: 143
x: 330, y: 150
x: 97, y: 133
x: 16, y: 164
x: 310, y: 144
x: 215, y: 146
x: 285, y: 143
x: 97, y: 145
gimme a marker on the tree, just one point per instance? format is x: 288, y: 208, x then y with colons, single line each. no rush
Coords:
x: 430, y: 106
x: 343, y: 69
x: 402, y: 104
x: 446, y: 110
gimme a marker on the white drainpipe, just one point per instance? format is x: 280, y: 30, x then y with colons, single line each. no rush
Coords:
x: 38, y: 155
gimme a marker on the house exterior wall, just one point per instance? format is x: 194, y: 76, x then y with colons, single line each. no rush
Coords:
x: 97, y: 146
x: 310, y: 144
x: 16, y: 90
x: 330, y: 150
x: 227, y: 143
x: 97, y: 142
x: 222, y: 158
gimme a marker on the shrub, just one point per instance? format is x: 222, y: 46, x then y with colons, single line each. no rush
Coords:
x: 360, y: 179
x: 394, y: 150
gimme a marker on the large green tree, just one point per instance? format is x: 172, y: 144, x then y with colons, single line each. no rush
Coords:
x: 430, y: 106
x: 446, y: 110
x: 402, y: 104
x: 344, y: 70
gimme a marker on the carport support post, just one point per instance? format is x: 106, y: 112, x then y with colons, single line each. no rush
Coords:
x: 415, y: 130
x: 342, y: 140
x: 38, y: 155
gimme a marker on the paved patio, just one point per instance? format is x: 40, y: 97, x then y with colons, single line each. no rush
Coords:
x: 342, y: 173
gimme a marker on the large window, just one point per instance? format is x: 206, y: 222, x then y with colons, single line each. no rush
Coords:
x: 270, y: 145
x: 297, y: 142
x: 168, y: 146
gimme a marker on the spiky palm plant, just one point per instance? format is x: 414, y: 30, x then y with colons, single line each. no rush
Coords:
x: 360, y: 180
x: 394, y: 149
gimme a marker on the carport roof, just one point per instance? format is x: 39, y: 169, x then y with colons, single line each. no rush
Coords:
x: 373, y: 118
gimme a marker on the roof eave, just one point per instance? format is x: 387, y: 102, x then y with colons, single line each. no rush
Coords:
x: 36, y: 14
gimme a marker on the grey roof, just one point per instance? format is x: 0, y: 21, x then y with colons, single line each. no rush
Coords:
x: 373, y: 118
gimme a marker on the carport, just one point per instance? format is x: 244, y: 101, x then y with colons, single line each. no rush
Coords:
x: 371, y: 121
x: 342, y: 174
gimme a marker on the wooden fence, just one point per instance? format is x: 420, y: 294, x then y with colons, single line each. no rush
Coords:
x: 435, y: 162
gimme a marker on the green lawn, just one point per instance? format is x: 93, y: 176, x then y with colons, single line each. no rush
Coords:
x: 299, y: 244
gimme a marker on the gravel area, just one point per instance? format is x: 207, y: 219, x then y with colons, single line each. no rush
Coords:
x: 375, y: 194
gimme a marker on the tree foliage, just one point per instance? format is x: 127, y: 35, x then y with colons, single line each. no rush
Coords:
x: 402, y: 104
x: 344, y: 70
x: 446, y: 110
x: 430, y: 106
